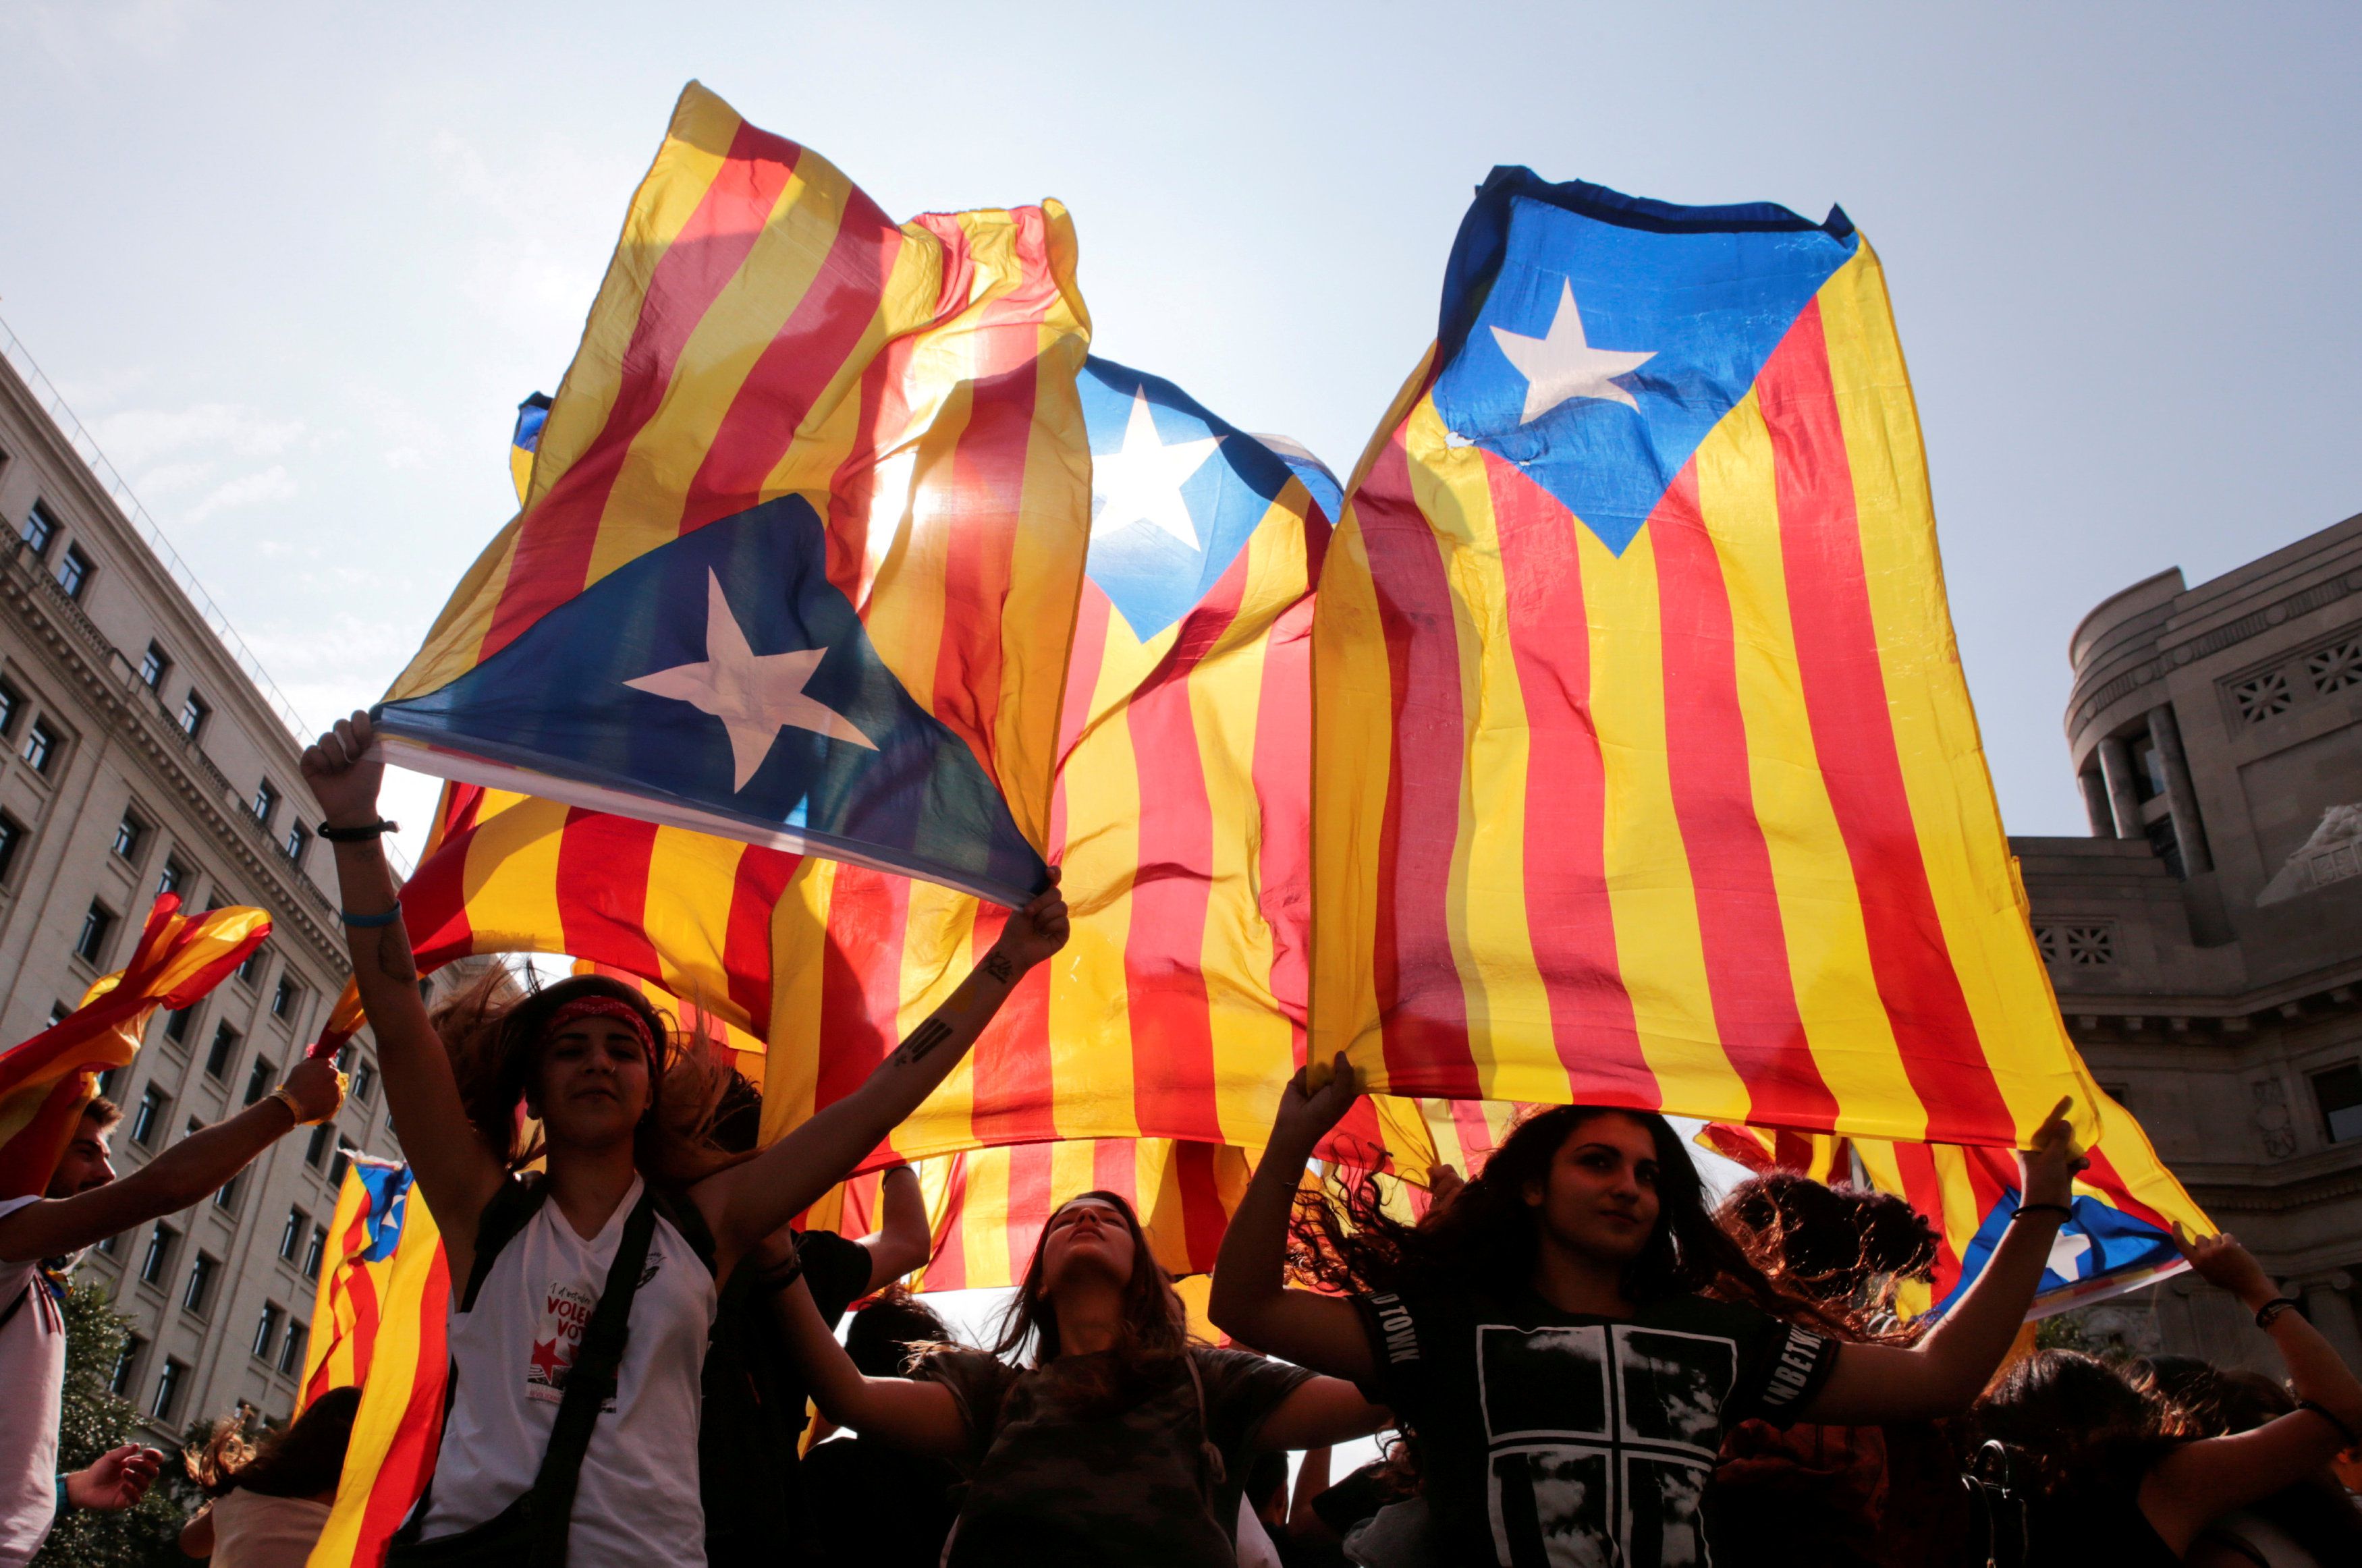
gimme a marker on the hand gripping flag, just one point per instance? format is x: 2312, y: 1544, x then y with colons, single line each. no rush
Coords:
x: 383, y: 1301
x: 1177, y: 1008
x: 799, y: 556
x: 47, y: 1080
x: 1644, y: 767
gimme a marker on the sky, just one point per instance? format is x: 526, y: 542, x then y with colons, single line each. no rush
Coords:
x: 294, y: 265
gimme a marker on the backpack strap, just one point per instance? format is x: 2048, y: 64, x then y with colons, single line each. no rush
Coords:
x: 678, y: 1208
x: 508, y: 1211
x: 589, y: 1383
x: 1216, y: 1471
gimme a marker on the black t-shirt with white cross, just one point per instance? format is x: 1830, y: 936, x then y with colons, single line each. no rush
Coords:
x: 1557, y: 1440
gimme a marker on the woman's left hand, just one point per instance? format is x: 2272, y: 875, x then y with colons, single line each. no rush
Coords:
x: 2047, y: 1172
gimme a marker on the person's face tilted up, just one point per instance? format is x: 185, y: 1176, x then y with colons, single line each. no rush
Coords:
x: 1598, y: 1199
x: 1086, y: 1237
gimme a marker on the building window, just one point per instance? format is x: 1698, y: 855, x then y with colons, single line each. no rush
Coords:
x: 291, y: 1354
x: 73, y: 571
x: 284, y: 999
x: 266, y: 802
x: 12, y: 833
x: 315, y: 1249
x: 364, y: 1081
x: 2165, y: 844
x: 176, y: 1024
x: 127, y: 1367
x: 258, y: 1082
x: 290, y: 1235
x: 154, y: 666
x: 222, y: 1051
x: 170, y: 1383
x: 158, y: 1259
x: 97, y: 925
x: 226, y: 1195
x: 200, y: 1293
x: 299, y: 839
x: 129, y: 834
x: 59, y: 1012
x: 174, y: 878
x: 2267, y: 696
x: 2078, y: 946
x: 317, y: 1149
x: 154, y: 1104
x: 106, y: 1082
x: 40, y: 747
x: 2339, y: 1090
x: 112, y: 1244
x: 344, y: 1161
x: 194, y: 713
x: 266, y: 1329
x: 12, y: 702
x: 39, y: 530
x: 251, y: 972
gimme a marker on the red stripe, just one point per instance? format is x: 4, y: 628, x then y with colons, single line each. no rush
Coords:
x: 807, y: 352
x: 1282, y: 785
x: 1845, y: 695
x: 602, y: 890
x: 1739, y: 925
x: 755, y: 893
x: 1015, y: 1099
x: 1203, y: 1218
x: 948, y: 1269
x: 434, y: 905
x: 1568, y: 916
x: 1421, y: 1006
x: 1923, y: 1188
x: 1115, y: 1167
x: 411, y: 1457
x: 1028, y: 1204
x: 861, y: 978
x: 555, y: 542
x: 2103, y: 1176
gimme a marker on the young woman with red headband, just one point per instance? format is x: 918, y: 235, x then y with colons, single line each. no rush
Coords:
x: 636, y: 1212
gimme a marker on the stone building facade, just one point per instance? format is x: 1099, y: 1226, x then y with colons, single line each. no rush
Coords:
x: 2206, y: 940
x: 139, y: 754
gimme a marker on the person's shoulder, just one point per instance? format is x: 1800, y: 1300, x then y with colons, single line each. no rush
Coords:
x: 962, y: 1364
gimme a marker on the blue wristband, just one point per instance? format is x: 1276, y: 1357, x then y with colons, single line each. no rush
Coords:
x: 370, y: 923
x: 65, y: 1499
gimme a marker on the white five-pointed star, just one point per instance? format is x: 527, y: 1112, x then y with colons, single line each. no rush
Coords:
x: 2066, y: 1250
x: 1561, y: 365
x: 755, y: 695
x: 1142, y: 482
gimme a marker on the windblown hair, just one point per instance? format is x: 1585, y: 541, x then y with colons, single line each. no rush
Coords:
x: 1155, y: 1326
x: 2084, y: 1424
x: 1487, y: 1237
x: 302, y: 1459
x: 496, y: 1038
x: 885, y: 1334
x: 103, y: 1111
x: 1846, y: 1248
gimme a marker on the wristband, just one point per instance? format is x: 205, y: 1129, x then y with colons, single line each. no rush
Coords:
x: 369, y: 923
x: 2063, y: 1211
x: 66, y: 1503
x: 294, y: 1110
x: 361, y: 834
x: 2353, y: 1439
x: 2273, y: 1309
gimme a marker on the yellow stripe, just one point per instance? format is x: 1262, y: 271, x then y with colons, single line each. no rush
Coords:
x: 798, y: 953
x: 1352, y: 714
x: 1820, y: 908
x: 984, y: 1221
x: 691, y: 879
x: 1650, y: 896
x: 511, y: 880
x: 1507, y: 1006
x: 938, y: 951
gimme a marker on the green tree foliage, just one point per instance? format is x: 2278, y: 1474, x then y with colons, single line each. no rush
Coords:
x: 93, y: 1421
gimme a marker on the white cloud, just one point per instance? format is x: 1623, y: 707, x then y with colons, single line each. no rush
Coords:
x: 165, y: 479
x: 273, y: 483
x: 137, y: 434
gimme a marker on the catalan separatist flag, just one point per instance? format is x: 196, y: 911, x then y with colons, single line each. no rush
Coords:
x: 405, y: 1362
x: 47, y: 1080
x: 801, y: 549
x: 531, y: 415
x: 1644, y: 770
x: 1178, y: 815
x: 355, y: 1271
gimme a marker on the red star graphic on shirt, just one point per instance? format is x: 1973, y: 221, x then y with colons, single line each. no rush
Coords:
x: 547, y: 1360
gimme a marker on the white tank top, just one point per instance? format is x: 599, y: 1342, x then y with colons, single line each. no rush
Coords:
x: 637, y: 1502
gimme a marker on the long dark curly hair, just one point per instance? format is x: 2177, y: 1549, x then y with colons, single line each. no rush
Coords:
x: 1845, y: 1247
x: 496, y: 1038
x: 302, y: 1460
x: 1342, y: 1238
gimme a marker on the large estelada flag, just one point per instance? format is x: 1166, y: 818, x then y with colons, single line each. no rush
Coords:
x: 1178, y: 815
x: 1645, y: 771
x: 799, y: 554
x: 386, y: 1290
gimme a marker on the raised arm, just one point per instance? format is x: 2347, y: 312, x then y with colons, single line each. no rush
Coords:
x: 901, y: 1241
x: 1944, y: 1373
x: 1321, y: 1411
x: 1251, y: 1300
x: 924, y: 1418
x: 2199, y: 1482
x: 455, y: 1170
x: 750, y: 1201
x: 176, y: 1178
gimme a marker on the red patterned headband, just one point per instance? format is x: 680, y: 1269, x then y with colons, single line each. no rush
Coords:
x: 603, y: 1007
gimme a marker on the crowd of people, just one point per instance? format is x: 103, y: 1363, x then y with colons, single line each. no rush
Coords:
x: 1574, y: 1356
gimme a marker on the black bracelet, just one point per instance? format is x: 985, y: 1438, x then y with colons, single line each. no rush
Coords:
x: 2352, y: 1439
x: 2064, y: 1212
x: 2273, y: 1309
x: 361, y: 834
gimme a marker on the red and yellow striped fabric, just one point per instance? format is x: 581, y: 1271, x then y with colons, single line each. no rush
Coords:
x: 47, y: 1080
x: 402, y: 1362
x: 1680, y: 806
x: 356, y: 1268
x: 1825, y: 1159
x: 765, y: 331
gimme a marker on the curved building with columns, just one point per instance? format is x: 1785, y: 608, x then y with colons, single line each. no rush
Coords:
x: 2206, y: 940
